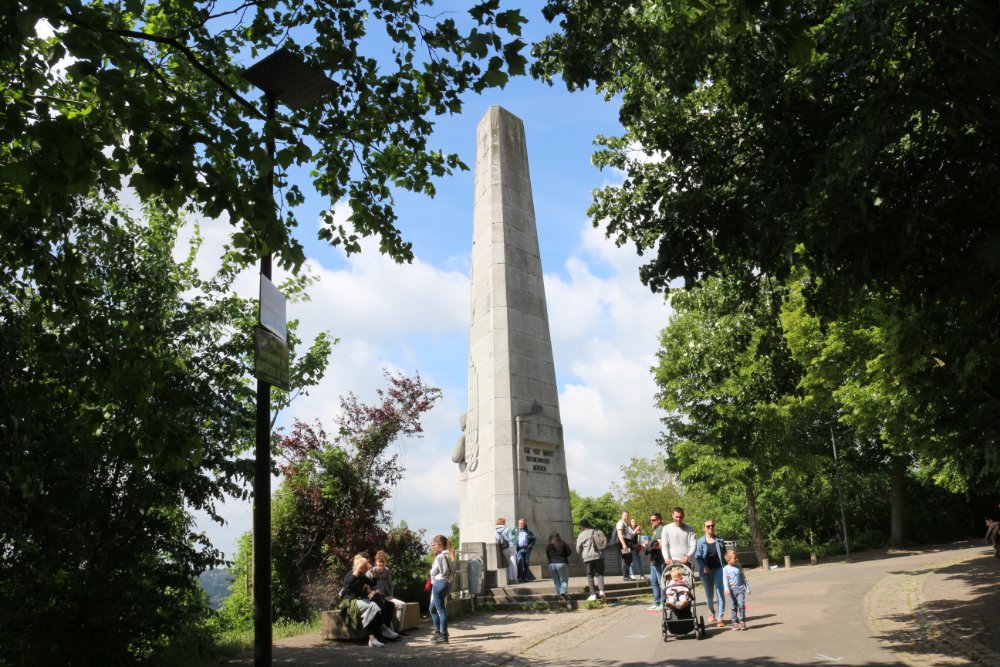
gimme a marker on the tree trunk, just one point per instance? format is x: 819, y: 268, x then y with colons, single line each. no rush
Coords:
x: 898, y: 501
x: 758, y: 538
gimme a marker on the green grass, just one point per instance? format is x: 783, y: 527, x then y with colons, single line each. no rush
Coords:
x: 206, y: 650
x: 237, y: 641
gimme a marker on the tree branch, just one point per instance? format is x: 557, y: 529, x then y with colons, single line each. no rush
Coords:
x: 198, y: 65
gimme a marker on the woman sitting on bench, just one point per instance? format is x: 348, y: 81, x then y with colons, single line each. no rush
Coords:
x: 368, y: 600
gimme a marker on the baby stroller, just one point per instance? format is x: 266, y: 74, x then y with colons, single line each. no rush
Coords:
x: 679, y: 622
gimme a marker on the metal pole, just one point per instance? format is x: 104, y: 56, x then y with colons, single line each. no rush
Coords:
x: 262, y: 468
x: 840, y: 494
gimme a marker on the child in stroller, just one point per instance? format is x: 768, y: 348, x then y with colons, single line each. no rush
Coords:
x: 680, y: 606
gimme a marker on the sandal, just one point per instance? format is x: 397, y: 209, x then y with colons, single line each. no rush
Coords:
x: 711, y: 619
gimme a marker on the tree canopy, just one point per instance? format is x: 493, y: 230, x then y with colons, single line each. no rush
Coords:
x: 104, y: 95
x: 121, y: 410
x: 854, y: 141
x: 865, y: 132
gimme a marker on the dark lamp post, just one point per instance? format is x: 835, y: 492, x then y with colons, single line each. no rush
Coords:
x: 286, y: 78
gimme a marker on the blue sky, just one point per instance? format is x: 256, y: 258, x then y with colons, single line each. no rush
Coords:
x: 414, y: 318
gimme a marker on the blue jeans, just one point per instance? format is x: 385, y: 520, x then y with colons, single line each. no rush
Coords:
x: 739, y: 601
x: 560, y: 577
x: 523, y: 558
x: 715, y: 593
x: 654, y: 579
x: 636, y: 569
x: 439, y: 616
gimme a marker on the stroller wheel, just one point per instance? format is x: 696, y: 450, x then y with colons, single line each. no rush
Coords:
x: 666, y: 635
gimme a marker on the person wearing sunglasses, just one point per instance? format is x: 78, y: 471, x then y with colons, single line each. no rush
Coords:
x: 656, y: 560
x: 709, y: 554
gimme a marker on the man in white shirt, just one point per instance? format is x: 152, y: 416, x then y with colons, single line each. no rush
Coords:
x: 678, y: 541
x: 623, y: 538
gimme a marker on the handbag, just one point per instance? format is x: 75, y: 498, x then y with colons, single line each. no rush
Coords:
x: 428, y: 585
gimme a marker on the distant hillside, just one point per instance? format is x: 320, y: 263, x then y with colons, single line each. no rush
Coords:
x: 216, y: 584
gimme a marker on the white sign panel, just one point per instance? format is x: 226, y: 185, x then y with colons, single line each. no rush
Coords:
x: 272, y: 309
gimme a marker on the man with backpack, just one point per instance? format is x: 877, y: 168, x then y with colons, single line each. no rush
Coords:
x: 590, y: 544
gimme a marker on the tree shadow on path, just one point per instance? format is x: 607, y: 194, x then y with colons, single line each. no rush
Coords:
x: 953, y: 614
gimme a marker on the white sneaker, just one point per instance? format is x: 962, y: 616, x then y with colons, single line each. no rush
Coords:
x: 604, y: 597
x: 374, y: 643
x: 591, y: 598
x: 389, y: 633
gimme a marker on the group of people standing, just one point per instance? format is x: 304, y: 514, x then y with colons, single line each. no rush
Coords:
x: 367, y: 595
x: 627, y: 535
x: 722, y: 577
x: 515, y: 544
x: 669, y: 546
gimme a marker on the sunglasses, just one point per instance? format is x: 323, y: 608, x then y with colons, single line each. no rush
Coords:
x: 709, y: 525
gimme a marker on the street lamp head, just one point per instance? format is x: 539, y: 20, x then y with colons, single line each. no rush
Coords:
x: 289, y: 79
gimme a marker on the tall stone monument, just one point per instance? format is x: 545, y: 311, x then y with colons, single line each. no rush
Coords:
x: 512, y: 462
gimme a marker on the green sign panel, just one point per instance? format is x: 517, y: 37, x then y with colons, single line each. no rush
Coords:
x: 270, y: 358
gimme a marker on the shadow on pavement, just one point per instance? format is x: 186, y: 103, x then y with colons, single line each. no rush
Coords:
x: 957, y: 618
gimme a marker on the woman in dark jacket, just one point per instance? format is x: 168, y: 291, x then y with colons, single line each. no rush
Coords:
x: 558, y: 553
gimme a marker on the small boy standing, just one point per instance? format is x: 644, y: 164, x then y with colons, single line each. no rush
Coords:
x: 737, y: 586
x: 677, y: 592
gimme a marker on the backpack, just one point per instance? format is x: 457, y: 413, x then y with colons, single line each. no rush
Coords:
x: 600, y: 540
x: 613, y: 542
x: 502, y: 540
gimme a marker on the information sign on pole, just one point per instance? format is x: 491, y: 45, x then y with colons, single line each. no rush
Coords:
x: 270, y: 338
x: 272, y: 309
x: 270, y: 355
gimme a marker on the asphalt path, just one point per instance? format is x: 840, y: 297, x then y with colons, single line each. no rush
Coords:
x: 930, y: 608
x: 874, y: 612
x: 800, y: 616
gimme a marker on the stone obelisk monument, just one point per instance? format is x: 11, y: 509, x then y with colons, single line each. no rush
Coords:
x: 511, y: 458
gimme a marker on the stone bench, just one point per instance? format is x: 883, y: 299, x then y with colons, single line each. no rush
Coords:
x: 411, y: 615
x: 333, y: 626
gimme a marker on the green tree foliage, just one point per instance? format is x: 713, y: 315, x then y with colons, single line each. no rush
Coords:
x: 602, y: 512
x: 862, y: 130
x: 755, y: 391
x: 151, y: 95
x: 854, y: 139
x: 722, y: 368
x: 121, y: 406
x: 332, y: 502
x: 645, y: 487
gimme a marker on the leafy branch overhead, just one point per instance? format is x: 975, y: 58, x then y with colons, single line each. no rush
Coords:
x: 150, y: 95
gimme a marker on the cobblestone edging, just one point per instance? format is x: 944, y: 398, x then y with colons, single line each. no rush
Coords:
x: 894, y: 614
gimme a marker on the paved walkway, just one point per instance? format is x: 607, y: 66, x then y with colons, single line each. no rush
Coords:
x: 922, y: 608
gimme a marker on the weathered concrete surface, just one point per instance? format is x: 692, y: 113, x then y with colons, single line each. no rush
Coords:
x: 512, y: 460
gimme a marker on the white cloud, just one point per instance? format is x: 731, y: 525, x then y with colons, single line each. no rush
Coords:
x: 605, y: 326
